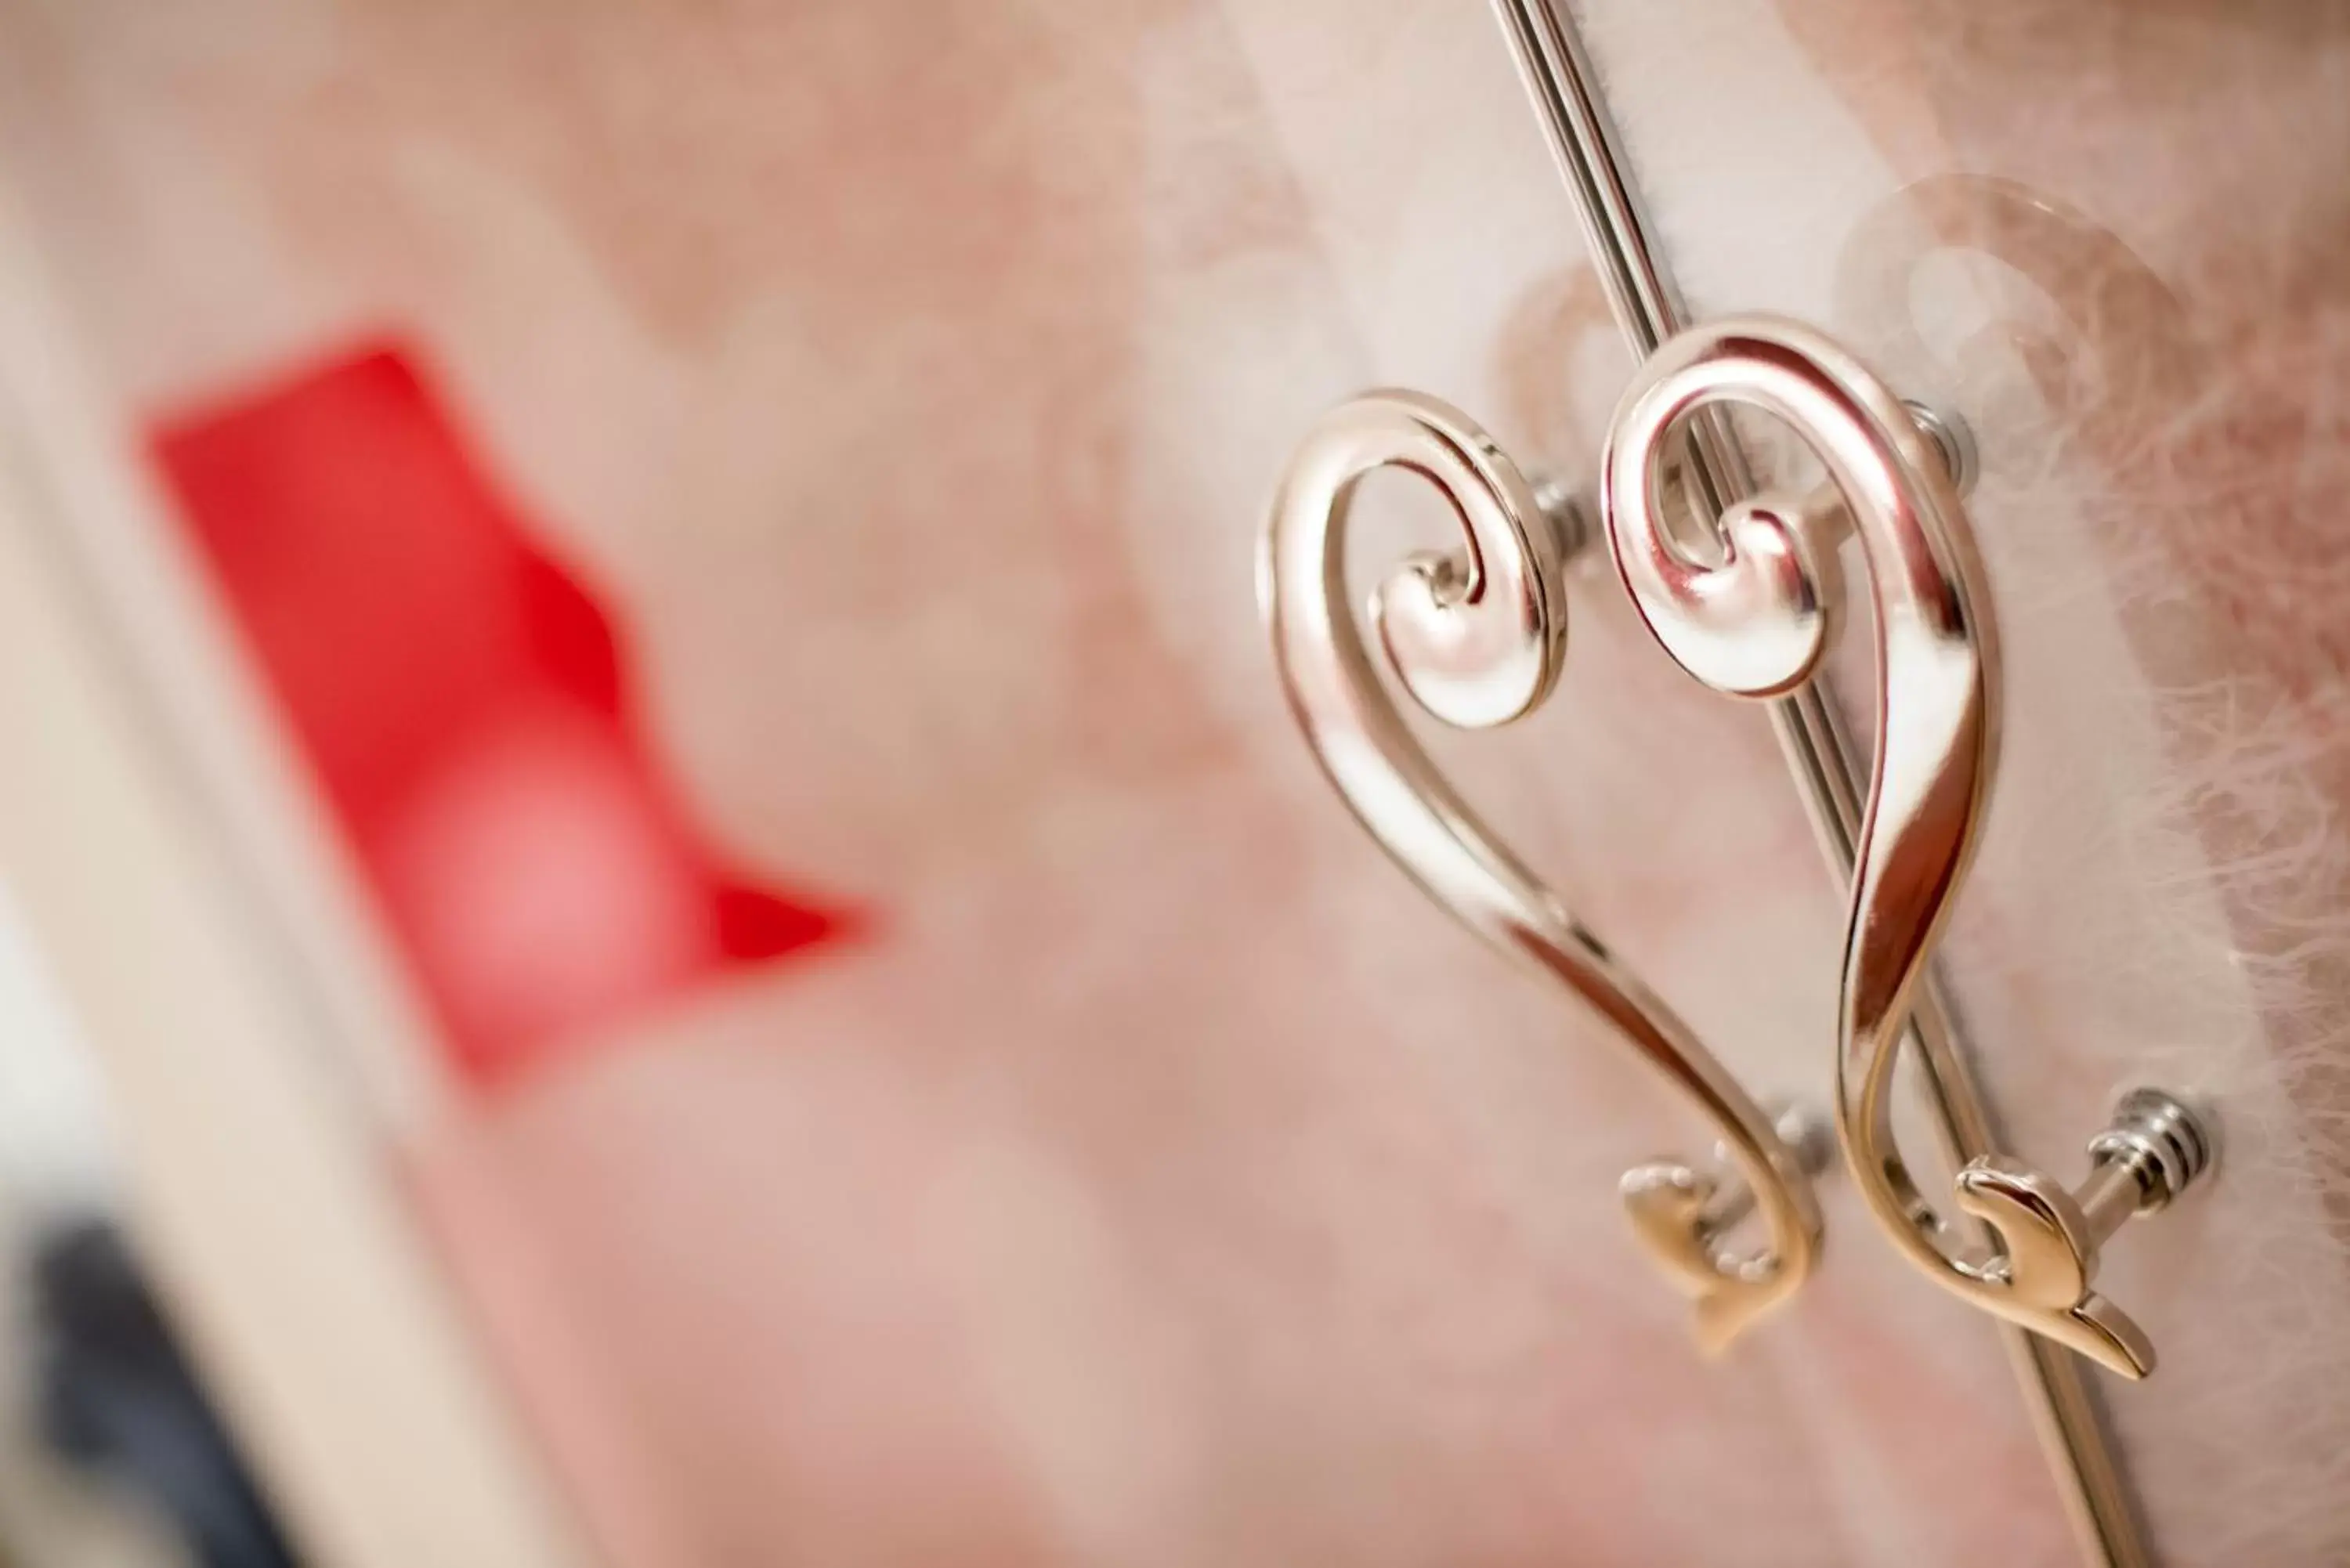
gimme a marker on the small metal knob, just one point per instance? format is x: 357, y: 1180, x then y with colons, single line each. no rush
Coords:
x: 1810, y: 1140
x: 1568, y: 514
x: 1952, y: 435
x: 2153, y: 1150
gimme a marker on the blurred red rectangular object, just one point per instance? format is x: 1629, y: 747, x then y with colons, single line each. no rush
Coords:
x: 462, y: 702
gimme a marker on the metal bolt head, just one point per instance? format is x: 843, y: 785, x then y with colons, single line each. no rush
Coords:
x: 2166, y: 1144
x: 1957, y: 442
x: 1564, y: 510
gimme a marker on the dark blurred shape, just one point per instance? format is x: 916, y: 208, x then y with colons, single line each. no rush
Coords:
x: 463, y: 700
x: 118, y: 1398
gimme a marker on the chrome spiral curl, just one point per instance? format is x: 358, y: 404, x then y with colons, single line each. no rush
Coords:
x: 1476, y: 637
x: 1755, y: 624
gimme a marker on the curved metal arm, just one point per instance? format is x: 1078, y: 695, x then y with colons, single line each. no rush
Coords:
x: 1477, y: 638
x: 1755, y: 625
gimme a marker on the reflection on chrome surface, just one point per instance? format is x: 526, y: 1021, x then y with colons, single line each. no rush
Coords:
x: 1477, y: 637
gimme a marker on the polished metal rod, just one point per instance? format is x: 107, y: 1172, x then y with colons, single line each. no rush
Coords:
x: 1558, y: 76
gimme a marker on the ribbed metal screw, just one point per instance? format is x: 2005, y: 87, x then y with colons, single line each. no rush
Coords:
x: 2159, y: 1140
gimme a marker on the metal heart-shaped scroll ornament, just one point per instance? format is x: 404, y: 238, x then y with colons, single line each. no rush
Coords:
x: 1477, y: 637
x: 1755, y: 624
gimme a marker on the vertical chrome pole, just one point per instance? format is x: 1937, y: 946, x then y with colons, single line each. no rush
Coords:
x: 1818, y: 750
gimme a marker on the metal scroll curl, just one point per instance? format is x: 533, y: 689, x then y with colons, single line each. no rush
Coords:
x: 1476, y: 637
x: 1755, y: 624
